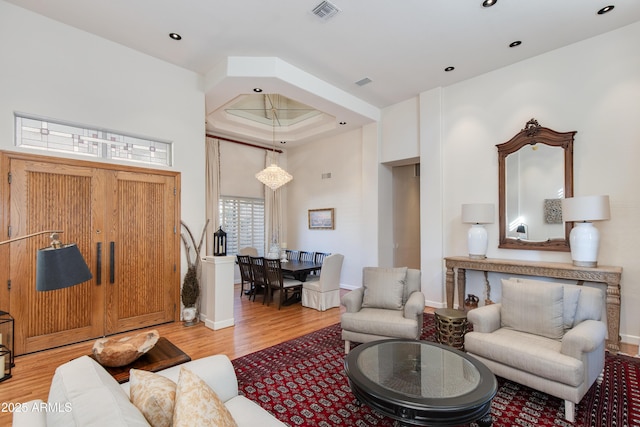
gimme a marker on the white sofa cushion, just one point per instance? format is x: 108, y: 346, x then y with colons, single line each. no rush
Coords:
x: 92, y: 396
x: 533, y: 309
x: 380, y: 322
x: 383, y: 287
x: 530, y: 353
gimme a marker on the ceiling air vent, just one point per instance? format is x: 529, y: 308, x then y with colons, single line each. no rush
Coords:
x: 325, y: 10
x: 364, y: 81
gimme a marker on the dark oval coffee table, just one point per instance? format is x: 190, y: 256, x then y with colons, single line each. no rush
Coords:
x: 421, y: 383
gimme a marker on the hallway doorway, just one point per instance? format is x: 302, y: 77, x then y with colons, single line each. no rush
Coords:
x: 406, y: 216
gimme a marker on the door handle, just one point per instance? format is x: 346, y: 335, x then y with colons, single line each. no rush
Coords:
x: 112, y: 262
x: 99, y: 265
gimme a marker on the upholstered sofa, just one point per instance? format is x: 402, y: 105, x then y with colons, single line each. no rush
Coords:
x: 545, y: 335
x: 389, y: 304
x: 82, y: 393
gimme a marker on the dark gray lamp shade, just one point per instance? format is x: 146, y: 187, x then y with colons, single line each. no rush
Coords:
x: 60, y: 268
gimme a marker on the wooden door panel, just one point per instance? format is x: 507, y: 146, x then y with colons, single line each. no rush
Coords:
x: 142, y: 235
x: 50, y: 197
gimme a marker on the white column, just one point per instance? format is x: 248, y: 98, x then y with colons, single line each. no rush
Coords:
x: 218, y: 296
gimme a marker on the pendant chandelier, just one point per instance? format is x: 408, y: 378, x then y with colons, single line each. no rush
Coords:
x: 273, y: 176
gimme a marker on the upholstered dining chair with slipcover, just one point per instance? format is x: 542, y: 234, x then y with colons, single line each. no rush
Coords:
x: 318, y: 258
x: 248, y: 251
x: 389, y: 304
x: 323, y: 292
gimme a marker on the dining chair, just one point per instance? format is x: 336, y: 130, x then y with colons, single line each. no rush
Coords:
x: 306, y: 256
x: 248, y: 250
x: 323, y: 293
x: 258, y: 275
x: 318, y: 258
x: 292, y: 255
x: 275, y: 281
x: 246, y: 276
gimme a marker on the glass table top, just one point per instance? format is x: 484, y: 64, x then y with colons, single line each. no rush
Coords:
x: 418, y: 369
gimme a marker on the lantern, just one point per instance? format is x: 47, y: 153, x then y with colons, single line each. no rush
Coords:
x: 220, y: 243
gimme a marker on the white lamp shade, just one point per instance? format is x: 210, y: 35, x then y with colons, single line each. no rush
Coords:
x: 585, y: 208
x: 478, y: 213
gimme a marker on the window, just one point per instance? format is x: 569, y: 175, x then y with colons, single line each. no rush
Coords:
x: 243, y: 221
x: 49, y: 135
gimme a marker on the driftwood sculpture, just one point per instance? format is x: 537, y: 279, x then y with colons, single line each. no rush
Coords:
x: 190, y: 292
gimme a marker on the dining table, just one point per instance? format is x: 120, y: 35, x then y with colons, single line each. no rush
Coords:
x: 300, y: 269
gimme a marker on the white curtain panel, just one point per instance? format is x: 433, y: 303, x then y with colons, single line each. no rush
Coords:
x: 212, y: 177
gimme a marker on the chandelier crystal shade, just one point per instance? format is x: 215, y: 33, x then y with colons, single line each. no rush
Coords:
x: 273, y: 176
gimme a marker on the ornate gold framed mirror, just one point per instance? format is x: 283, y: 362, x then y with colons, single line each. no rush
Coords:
x: 535, y: 171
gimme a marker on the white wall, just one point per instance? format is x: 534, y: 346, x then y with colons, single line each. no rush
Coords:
x: 345, y: 191
x: 592, y: 87
x: 50, y: 69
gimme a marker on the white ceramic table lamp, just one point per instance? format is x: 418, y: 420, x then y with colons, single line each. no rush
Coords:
x: 584, y: 239
x: 478, y: 214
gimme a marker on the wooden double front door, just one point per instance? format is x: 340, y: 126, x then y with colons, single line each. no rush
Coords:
x: 125, y: 222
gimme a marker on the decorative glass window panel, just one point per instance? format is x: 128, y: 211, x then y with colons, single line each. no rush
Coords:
x: 55, y: 136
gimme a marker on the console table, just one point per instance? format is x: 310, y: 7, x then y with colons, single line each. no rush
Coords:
x: 608, y: 275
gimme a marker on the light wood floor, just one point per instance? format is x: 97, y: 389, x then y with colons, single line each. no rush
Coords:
x: 256, y: 327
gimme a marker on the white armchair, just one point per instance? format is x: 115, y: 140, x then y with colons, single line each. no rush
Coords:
x: 323, y: 292
x: 389, y: 304
x: 547, y: 336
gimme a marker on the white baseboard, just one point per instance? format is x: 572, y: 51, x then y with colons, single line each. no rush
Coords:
x: 219, y: 324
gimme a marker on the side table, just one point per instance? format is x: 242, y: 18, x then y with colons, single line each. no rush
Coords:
x: 451, y: 325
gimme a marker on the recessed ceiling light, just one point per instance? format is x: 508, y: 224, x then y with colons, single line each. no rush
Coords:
x: 489, y: 3
x: 342, y: 123
x: 283, y: 142
x: 449, y: 69
x: 257, y: 90
x: 175, y: 36
x: 606, y: 9
x: 515, y: 43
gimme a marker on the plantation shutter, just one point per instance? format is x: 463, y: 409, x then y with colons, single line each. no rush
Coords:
x: 243, y: 221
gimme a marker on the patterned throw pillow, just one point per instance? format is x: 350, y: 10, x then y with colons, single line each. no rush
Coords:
x: 154, y: 395
x: 198, y: 405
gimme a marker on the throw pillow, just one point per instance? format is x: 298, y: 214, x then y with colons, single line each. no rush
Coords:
x: 197, y: 404
x: 535, y: 309
x: 383, y: 287
x: 571, y: 295
x: 154, y: 395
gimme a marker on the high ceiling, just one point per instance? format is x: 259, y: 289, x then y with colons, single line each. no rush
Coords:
x: 281, y: 47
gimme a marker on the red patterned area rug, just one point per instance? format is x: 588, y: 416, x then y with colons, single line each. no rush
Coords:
x: 302, y: 382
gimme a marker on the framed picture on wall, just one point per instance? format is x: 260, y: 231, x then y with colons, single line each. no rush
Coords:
x: 321, y: 219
